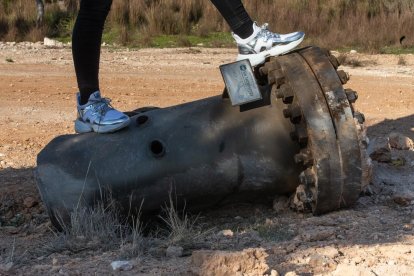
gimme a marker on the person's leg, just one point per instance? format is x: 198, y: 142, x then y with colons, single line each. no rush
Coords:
x: 255, y: 43
x: 94, y: 112
x: 86, y: 44
x: 236, y: 16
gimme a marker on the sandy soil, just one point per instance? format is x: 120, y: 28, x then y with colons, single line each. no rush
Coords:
x: 37, y: 103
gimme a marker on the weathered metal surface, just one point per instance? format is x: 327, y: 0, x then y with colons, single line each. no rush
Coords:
x: 321, y: 176
x: 331, y: 136
x: 206, y: 151
x: 343, y: 119
x: 304, y: 138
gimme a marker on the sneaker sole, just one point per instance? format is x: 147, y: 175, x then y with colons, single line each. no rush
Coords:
x: 82, y: 127
x: 256, y: 59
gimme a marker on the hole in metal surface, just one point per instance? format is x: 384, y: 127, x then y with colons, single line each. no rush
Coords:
x: 142, y: 120
x: 157, y: 148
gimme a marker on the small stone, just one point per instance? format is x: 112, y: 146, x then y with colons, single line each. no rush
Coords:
x: 291, y: 247
x: 274, y: 273
x: 174, y: 252
x: 392, y: 262
x: 405, y: 199
x: 340, y: 237
x: 49, y: 42
x: 353, y: 52
x: 29, y: 202
x: 121, y: 265
x: 291, y: 273
x: 408, y: 227
x: 379, y: 150
x: 320, y: 263
x: 55, y: 262
x: 400, y: 142
x: 330, y: 252
x: 320, y: 234
x: 226, y: 233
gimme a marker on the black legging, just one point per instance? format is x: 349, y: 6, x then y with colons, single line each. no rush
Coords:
x: 87, y: 37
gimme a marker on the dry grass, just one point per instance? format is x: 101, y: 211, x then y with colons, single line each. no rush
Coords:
x: 370, y: 24
x: 183, y: 230
x: 99, y: 228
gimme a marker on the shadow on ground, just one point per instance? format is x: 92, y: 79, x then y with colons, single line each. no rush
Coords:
x: 377, y: 219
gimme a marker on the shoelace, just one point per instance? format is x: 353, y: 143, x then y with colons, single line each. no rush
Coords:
x: 101, y: 106
x: 266, y: 33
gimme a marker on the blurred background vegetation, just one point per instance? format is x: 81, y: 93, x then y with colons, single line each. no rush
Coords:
x: 366, y: 25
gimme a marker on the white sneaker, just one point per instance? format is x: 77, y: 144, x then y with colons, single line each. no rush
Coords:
x: 99, y: 116
x: 263, y: 43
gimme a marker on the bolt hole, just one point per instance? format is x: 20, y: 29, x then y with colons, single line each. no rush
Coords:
x: 157, y: 148
x: 142, y: 120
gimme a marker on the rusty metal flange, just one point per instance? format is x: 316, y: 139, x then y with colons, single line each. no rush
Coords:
x: 332, y: 141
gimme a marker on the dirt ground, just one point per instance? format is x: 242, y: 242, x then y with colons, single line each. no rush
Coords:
x: 37, y: 103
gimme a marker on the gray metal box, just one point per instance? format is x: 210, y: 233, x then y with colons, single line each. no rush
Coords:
x: 240, y: 82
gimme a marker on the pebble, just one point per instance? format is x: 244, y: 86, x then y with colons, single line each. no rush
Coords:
x: 29, y: 202
x: 400, y: 141
x: 379, y: 150
x: 226, y: 233
x: 406, y: 199
x: 121, y: 265
x: 174, y: 252
x: 408, y: 227
x: 318, y: 234
x: 51, y: 42
x: 274, y: 273
x: 330, y: 252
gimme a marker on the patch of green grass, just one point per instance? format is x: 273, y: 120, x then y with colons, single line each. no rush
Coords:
x: 397, y: 50
x: 64, y: 39
x: 110, y: 36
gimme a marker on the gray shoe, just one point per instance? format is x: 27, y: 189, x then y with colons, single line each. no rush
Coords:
x: 263, y: 43
x: 99, y: 116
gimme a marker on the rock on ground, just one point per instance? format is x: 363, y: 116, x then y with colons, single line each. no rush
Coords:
x: 247, y: 262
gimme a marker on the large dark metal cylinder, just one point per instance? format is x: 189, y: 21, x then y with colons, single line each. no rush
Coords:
x: 206, y: 151
x: 305, y: 137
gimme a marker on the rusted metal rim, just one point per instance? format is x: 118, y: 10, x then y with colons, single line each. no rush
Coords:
x: 332, y: 141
